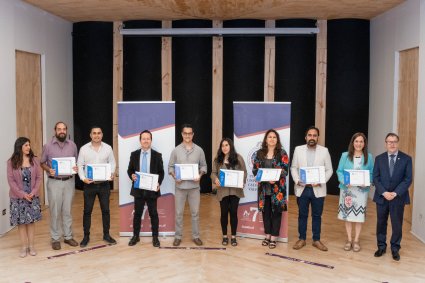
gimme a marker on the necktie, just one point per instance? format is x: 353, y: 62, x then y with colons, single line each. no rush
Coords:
x: 144, y: 163
x: 392, y: 163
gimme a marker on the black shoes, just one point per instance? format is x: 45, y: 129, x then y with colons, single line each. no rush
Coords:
x: 85, y: 241
x: 134, y: 240
x: 107, y: 238
x: 155, y: 242
x: 396, y: 255
x: 380, y: 252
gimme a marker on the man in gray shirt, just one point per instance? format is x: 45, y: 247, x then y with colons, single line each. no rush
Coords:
x: 187, y: 153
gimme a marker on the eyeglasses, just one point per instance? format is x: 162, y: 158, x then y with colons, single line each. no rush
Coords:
x: 391, y: 142
x: 187, y: 134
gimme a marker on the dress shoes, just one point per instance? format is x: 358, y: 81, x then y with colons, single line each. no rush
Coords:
x: 379, y: 252
x: 396, y: 255
x: 85, y: 241
x: 299, y: 244
x: 133, y: 241
x: 177, y: 242
x: 56, y: 245
x: 155, y: 242
x: 319, y: 245
x: 107, y: 238
x: 71, y: 242
x: 197, y: 242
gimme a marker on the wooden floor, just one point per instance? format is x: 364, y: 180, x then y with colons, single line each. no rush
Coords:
x: 247, y: 262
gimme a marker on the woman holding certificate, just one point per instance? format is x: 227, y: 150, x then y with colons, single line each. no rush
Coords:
x: 229, y: 175
x: 272, y: 198
x: 24, y: 177
x: 354, y: 172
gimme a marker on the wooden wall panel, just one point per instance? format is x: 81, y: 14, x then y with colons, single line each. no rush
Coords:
x: 321, y: 75
x: 269, y: 64
x: 217, y: 90
x: 166, y: 61
x: 407, y: 109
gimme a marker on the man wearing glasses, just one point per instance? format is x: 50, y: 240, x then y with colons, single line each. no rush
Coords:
x: 187, y: 153
x: 392, y: 176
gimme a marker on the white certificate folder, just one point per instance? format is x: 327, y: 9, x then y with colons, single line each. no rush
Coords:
x: 357, y: 178
x: 313, y: 175
x: 63, y: 166
x: 99, y: 172
x: 146, y: 181
x: 186, y: 172
x: 231, y: 178
x: 268, y: 174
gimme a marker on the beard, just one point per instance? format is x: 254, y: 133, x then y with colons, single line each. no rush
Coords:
x: 312, y: 142
x: 61, y: 137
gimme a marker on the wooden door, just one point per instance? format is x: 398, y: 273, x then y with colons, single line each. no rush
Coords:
x: 29, y: 102
x: 407, y: 110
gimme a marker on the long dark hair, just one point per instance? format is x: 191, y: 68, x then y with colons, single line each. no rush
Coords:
x: 351, y: 147
x: 233, y: 156
x: 262, y: 153
x: 17, y: 157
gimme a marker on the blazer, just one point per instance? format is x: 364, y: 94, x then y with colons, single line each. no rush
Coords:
x: 322, y: 158
x: 346, y: 163
x: 156, y: 167
x: 16, y: 185
x: 399, y: 182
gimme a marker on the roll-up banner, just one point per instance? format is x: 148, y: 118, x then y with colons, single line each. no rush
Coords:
x: 133, y: 118
x: 251, y: 122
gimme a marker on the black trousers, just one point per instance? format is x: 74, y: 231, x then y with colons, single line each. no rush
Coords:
x: 271, y: 220
x: 394, y: 209
x: 102, y: 191
x: 229, y: 205
x: 139, y: 203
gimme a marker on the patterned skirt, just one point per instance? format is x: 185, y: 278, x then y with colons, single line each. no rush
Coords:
x: 24, y: 212
x: 352, y: 204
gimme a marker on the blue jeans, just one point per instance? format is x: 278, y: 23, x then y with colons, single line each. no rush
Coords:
x: 304, y: 201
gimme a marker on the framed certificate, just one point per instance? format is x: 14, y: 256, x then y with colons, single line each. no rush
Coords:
x: 63, y: 166
x: 98, y: 172
x: 186, y: 172
x: 357, y: 178
x: 268, y: 174
x: 146, y: 181
x: 231, y: 178
x: 313, y: 175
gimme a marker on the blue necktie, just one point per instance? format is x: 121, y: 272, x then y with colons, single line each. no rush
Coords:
x: 392, y: 163
x: 144, y: 163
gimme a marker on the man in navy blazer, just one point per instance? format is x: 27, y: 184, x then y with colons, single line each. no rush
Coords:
x: 392, y: 176
x: 145, y: 160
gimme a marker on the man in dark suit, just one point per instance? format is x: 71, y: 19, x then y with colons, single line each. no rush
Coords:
x: 145, y: 160
x: 392, y: 176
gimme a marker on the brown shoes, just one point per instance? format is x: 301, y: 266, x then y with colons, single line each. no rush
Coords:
x: 71, y: 242
x: 356, y: 247
x: 198, y: 242
x: 56, y: 245
x: 177, y: 242
x: 320, y: 246
x: 348, y: 245
x: 299, y: 244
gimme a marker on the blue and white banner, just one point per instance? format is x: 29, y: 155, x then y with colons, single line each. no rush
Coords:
x: 133, y: 118
x: 251, y: 122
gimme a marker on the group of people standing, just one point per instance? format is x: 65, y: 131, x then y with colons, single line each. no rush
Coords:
x: 391, y: 174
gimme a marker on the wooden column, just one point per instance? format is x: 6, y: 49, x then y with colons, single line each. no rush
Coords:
x: 166, y: 64
x: 217, y: 89
x: 117, y: 92
x: 269, y: 64
x: 321, y: 62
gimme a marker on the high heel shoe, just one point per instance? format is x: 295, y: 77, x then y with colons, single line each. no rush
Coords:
x: 23, y: 252
x: 32, y: 251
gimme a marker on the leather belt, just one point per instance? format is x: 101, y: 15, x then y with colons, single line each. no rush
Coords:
x: 99, y: 182
x: 61, y: 179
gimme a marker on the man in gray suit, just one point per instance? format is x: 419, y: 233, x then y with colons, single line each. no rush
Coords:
x: 308, y: 155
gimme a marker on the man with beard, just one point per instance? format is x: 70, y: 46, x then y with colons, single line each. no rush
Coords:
x: 308, y: 155
x: 60, y: 189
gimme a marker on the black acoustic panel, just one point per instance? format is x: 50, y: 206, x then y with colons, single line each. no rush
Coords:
x: 142, y: 64
x: 92, y: 44
x: 295, y: 79
x: 347, y: 99
x: 192, y: 88
x: 243, y: 70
